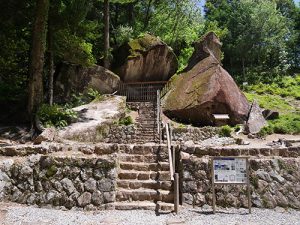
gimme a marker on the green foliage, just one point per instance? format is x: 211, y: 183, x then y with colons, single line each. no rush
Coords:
x: 270, y: 102
x: 259, y: 39
x: 123, y: 34
x: 270, y: 96
x: 265, y: 131
x: 184, y: 56
x: 286, y: 124
x: 72, y: 48
x: 225, y: 131
x: 85, y: 98
x: 55, y: 115
x: 125, y: 121
x: 285, y: 87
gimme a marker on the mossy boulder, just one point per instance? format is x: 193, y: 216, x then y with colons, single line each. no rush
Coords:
x: 205, y: 88
x: 74, y: 78
x: 145, y: 59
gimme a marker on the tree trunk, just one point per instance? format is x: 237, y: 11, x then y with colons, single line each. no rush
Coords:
x: 131, y: 14
x: 147, y: 17
x: 244, y: 73
x: 39, y: 32
x: 51, y: 63
x: 106, y: 35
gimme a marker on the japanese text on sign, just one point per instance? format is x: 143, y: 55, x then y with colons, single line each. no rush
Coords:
x: 230, y: 170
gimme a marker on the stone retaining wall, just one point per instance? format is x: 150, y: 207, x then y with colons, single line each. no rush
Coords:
x: 193, y: 134
x: 274, y: 178
x: 70, y: 182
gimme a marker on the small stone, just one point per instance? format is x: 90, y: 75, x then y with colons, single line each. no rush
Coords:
x: 90, y: 207
x: 90, y: 185
x: 277, y: 177
x: 68, y: 185
x: 84, y: 199
x: 34, y: 159
x: 105, y: 185
x: 97, y: 198
x: 47, y: 135
x: 109, y: 197
x: 176, y: 221
x: 85, y: 174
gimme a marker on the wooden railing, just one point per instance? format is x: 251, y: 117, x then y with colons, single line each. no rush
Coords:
x: 172, y: 162
x: 140, y: 91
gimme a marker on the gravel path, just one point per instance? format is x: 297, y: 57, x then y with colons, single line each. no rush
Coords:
x: 11, y: 213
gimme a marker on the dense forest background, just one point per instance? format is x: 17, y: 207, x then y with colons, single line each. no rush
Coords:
x: 261, y: 38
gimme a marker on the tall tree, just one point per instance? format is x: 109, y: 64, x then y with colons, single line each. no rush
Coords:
x: 39, y: 33
x: 106, y: 35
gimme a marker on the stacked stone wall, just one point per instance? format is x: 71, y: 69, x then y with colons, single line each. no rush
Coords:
x: 193, y: 134
x: 70, y: 182
x: 274, y: 178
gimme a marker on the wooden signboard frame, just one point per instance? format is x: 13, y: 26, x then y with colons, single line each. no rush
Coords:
x: 247, y: 182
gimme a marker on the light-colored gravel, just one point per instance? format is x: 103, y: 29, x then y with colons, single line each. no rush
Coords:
x: 11, y: 213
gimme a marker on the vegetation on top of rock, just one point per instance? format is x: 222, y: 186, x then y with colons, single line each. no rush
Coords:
x: 55, y: 115
x: 84, y: 98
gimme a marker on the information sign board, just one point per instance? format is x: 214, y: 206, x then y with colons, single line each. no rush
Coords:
x: 230, y: 170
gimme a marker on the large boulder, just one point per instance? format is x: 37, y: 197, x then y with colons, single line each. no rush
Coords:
x: 145, y: 59
x: 94, y: 119
x: 205, y: 88
x: 77, y: 79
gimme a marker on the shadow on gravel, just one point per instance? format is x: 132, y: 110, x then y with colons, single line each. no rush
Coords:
x: 219, y: 212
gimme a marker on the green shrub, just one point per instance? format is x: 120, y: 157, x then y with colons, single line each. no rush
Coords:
x: 266, y: 131
x: 55, y: 115
x: 286, y: 124
x: 125, y: 121
x: 225, y: 131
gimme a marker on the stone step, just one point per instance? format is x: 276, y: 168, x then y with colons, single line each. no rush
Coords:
x: 164, y: 206
x: 143, y: 194
x: 142, y: 150
x: 144, y: 175
x: 141, y: 166
x: 150, y: 184
x: 144, y: 205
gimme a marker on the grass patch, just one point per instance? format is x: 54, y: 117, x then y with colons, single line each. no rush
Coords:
x: 125, y: 121
x: 282, y: 96
x: 225, y: 131
x: 285, y: 87
x: 273, y: 102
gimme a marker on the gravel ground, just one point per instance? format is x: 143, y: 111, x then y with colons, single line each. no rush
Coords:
x: 11, y: 213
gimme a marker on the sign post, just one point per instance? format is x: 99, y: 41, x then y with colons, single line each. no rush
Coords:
x: 230, y: 171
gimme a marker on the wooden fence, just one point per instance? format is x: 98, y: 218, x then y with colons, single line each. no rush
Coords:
x: 140, y: 91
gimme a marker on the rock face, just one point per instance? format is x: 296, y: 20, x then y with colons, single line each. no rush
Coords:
x: 93, y: 119
x: 256, y: 120
x: 77, y: 79
x: 145, y: 59
x: 205, y: 88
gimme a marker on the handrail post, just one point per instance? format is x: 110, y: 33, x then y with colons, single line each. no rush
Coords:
x: 169, y: 152
x: 176, y: 192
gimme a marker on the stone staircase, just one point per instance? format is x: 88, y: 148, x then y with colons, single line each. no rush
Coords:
x: 146, y: 123
x: 144, y: 179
